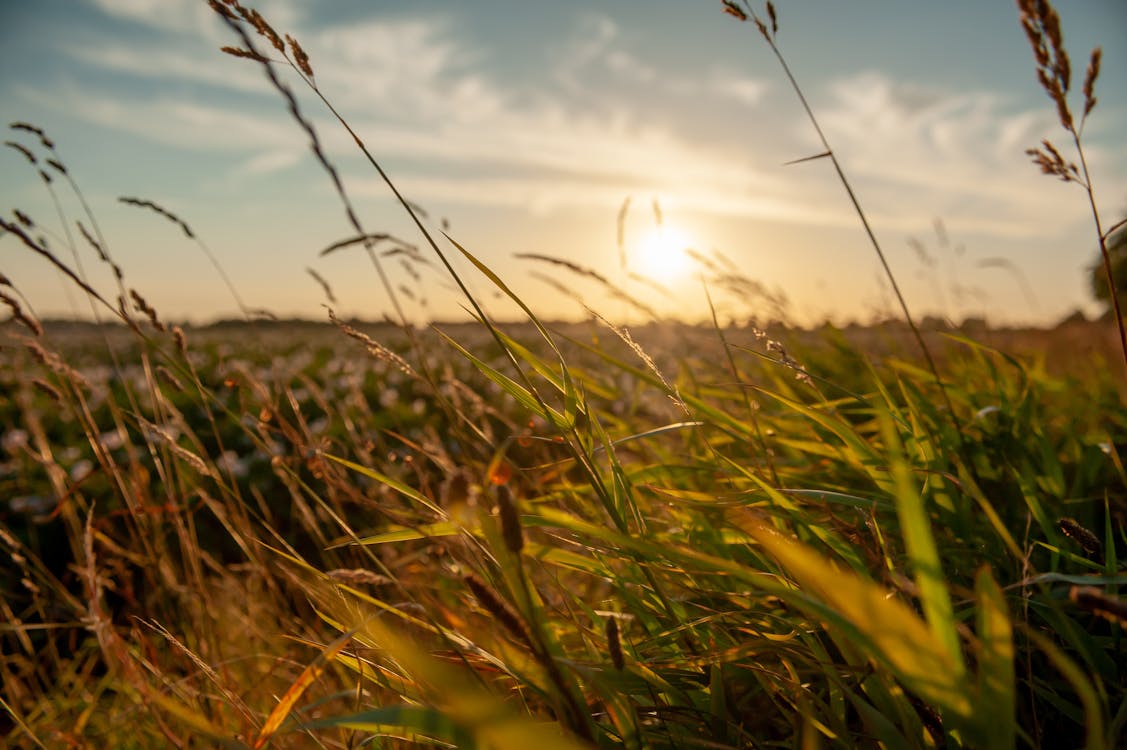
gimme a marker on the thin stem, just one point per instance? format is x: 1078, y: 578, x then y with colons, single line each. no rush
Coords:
x: 829, y: 152
x: 1104, y: 252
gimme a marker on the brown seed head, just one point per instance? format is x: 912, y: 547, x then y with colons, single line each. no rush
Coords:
x: 51, y: 391
x: 180, y: 339
x: 55, y: 364
x: 169, y: 377
x: 93, y: 242
x: 499, y: 608
x: 374, y: 348
x: 511, y: 529
x: 1097, y: 602
x: 762, y: 29
x: 160, y: 210
x: 357, y: 575
x: 1063, y: 70
x: 299, y: 57
x: 1088, y: 541
x: 456, y: 489
x: 142, y: 306
x: 19, y: 315
x: 240, y: 52
x: 27, y: 127
x: 734, y: 10
x: 255, y: 19
x: 1051, y: 21
x: 222, y: 10
x: 324, y: 285
x: 22, y: 149
x: 1090, y: 77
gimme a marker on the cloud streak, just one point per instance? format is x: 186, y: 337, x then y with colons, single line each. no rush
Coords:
x: 422, y: 95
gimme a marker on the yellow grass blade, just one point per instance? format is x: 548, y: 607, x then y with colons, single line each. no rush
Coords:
x: 996, y: 682
x: 491, y: 722
x: 880, y: 623
x: 293, y: 695
x: 196, y: 721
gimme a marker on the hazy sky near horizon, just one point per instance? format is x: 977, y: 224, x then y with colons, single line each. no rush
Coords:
x: 527, y: 125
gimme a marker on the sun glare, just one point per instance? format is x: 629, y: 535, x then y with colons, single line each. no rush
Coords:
x: 660, y: 255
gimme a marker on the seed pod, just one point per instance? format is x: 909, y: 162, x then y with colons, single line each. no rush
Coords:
x: 511, y: 529
x: 499, y: 608
x: 1088, y: 541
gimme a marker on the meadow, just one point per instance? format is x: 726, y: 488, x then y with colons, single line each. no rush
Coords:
x: 533, y: 534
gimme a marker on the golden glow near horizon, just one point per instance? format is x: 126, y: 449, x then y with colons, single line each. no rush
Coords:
x: 660, y: 255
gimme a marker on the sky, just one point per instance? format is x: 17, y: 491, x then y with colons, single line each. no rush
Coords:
x: 523, y: 128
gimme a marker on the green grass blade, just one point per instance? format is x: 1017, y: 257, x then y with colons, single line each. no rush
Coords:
x: 997, y: 700
x: 394, y: 484
x: 883, y: 623
x: 523, y: 396
x: 927, y: 571
x: 416, y: 724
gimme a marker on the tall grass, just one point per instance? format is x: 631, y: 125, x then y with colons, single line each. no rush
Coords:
x: 510, y: 535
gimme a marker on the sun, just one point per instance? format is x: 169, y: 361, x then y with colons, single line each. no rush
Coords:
x: 661, y: 255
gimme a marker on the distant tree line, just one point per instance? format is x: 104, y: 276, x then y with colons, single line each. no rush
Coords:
x: 1117, y: 248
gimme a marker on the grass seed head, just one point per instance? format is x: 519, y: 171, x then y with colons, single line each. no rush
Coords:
x: 300, y: 58
x: 1090, y: 77
x: 351, y: 576
x: 51, y: 391
x: 499, y: 608
x: 511, y: 529
x: 734, y: 10
x: 1088, y: 541
x: 244, y: 53
x: 160, y: 210
x: 181, y: 340
x: 142, y: 306
x: 1092, y: 599
x: 20, y: 316
x: 170, y: 378
x: 457, y: 490
x: 23, y: 150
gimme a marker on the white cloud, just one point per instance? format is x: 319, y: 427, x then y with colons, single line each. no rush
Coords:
x: 416, y: 91
x: 270, y: 162
x: 154, y: 61
x: 630, y: 68
x: 925, y: 153
x: 588, y: 45
x: 413, y: 91
x: 172, y: 121
x: 186, y: 15
x: 742, y: 89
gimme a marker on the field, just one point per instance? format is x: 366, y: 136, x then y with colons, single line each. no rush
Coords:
x: 556, y: 535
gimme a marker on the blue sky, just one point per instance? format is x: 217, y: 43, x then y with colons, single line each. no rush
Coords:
x: 526, y: 125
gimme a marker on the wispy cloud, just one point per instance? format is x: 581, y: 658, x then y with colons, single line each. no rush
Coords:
x: 411, y: 87
x: 170, y: 120
x: 740, y: 88
x: 183, y: 15
x: 927, y: 152
x: 155, y: 62
x: 418, y: 89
